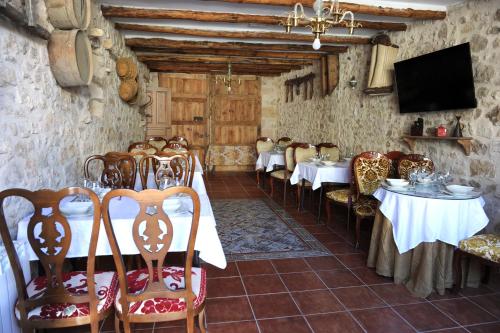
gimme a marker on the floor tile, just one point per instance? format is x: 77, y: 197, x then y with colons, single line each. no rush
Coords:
x: 448, y: 294
x: 291, y: 265
x: 302, y: 281
x: 481, y: 290
x: 464, y: 311
x: 424, y: 316
x: 324, y: 263
x: 228, y: 309
x: 263, y: 284
x: 352, y: 260
x: 237, y: 327
x: 339, y: 278
x: 273, y: 305
x: 341, y: 248
x: 451, y: 330
x: 340, y: 322
x: 255, y: 267
x: 284, y: 325
x: 316, y: 301
x: 223, y: 287
x: 329, y: 238
x: 166, y: 330
x: 383, y: 320
x: 485, y: 328
x: 396, y: 294
x: 370, y: 276
x: 317, y: 229
x: 214, y: 272
x: 489, y: 302
x: 358, y: 298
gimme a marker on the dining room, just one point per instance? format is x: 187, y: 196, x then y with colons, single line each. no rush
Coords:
x: 313, y: 166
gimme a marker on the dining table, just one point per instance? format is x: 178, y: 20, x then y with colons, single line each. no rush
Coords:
x: 267, y: 160
x: 123, y: 211
x: 415, y: 232
x: 318, y: 173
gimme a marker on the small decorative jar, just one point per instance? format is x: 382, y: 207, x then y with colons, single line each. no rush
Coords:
x: 441, y: 131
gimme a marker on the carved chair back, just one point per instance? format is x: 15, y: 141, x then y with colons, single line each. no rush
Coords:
x: 412, y: 161
x: 125, y: 164
x: 394, y: 156
x: 175, y: 147
x: 153, y: 232
x: 290, y: 156
x: 157, y: 142
x: 369, y: 170
x: 49, y: 235
x: 303, y: 152
x: 284, y: 141
x: 179, y: 139
x: 164, y: 164
x: 264, y: 144
x: 330, y: 149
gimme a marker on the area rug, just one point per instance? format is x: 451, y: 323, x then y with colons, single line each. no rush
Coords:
x: 260, y: 229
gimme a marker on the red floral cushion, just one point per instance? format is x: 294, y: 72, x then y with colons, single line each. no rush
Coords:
x: 174, y: 279
x: 76, y: 283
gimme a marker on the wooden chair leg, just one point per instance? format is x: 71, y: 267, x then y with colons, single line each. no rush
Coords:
x: 271, y: 185
x: 328, y: 209
x: 201, y: 321
x: 457, y: 265
x: 284, y: 193
x: 258, y: 178
x: 299, y: 196
x: 358, y: 231
x: 190, y: 323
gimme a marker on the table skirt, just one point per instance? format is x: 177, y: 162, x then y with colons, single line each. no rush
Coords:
x: 426, y: 268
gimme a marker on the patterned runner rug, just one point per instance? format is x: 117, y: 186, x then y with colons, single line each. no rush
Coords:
x: 260, y: 229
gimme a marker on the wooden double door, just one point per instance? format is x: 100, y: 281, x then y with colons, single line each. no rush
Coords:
x: 203, y: 111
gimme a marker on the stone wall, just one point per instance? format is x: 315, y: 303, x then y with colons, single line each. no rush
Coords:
x: 357, y: 122
x: 47, y: 131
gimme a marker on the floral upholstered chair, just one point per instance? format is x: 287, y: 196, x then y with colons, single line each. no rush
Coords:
x: 261, y: 145
x: 412, y: 161
x: 284, y: 141
x: 394, y: 156
x: 179, y: 139
x: 327, y: 148
x: 157, y: 141
x: 58, y: 298
x: 284, y: 175
x: 142, y: 147
x: 369, y: 170
x: 485, y: 248
x: 175, y: 147
x: 302, y: 153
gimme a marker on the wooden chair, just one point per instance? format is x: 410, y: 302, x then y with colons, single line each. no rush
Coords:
x: 303, y: 152
x: 369, y: 170
x: 119, y: 169
x: 485, y: 248
x: 179, y: 139
x: 394, y: 156
x: 157, y: 141
x: 142, y: 147
x: 143, y: 297
x: 330, y: 149
x: 175, y: 147
x: 60, y: 298
x: 412, y: 161
x: 261, y: 145
x: 284, y: 141
x: 165, y: 163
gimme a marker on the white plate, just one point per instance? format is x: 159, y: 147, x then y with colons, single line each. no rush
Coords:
x: 459, y: 189
x: 470, y: 194
x: 329, y: 163
x: 397, y: 182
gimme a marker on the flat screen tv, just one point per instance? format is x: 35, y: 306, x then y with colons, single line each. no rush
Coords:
x: 437, y: 81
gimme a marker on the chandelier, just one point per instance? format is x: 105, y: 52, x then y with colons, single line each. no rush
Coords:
x: 327, y: 14
x: 228, y: 79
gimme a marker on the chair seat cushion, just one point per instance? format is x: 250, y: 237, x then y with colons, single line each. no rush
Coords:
x: 341, y: 196
x: 366, y: 207
x: 76, y: 283
x: 280, y: 174
x: 174, y: 278
x: 486, y: 246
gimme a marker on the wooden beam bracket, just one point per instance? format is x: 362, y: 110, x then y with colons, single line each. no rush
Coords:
x: 306, y: 80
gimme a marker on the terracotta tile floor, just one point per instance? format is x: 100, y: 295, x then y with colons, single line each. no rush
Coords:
x: 330, y: 294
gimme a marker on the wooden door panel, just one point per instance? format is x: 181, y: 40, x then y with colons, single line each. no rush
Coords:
x: 235, y: 135
x: 158, y: 120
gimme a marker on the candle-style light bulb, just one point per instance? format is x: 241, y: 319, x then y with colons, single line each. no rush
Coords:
x: 316, y: 44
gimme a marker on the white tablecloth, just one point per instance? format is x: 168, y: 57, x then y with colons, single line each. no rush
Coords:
x: 123, y: 213
x: 8, y: 321
x: 416, y: 220
x: 339, y: 173
x: 198, y: 182
x: 268, y: 160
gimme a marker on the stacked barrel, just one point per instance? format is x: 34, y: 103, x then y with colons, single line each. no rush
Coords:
x: 127, y: 71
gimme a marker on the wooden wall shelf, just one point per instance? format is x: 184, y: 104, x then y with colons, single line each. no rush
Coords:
x: 465, y: 142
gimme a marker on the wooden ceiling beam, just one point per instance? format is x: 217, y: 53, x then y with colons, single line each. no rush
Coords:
x: 150, y: 13
x: 421, y: 14
x: 241, y: 34
x: 223, y: 66
x: 168, y: 43
x: 217, y: 59
x: 297, y: 56
x: 200, y: 71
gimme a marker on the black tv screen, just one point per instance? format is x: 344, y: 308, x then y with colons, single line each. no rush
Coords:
x: 437, y: 81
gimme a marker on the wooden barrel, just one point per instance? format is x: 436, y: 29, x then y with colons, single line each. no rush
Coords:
x: 69, y: 14
x: 128, y: 90
x: 126, y: 68
x: 70, y: 57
